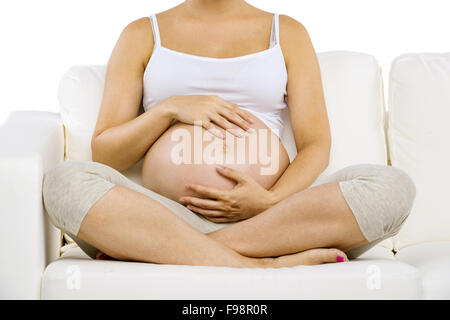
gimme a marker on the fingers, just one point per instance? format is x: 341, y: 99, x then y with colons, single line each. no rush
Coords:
x: 212, y: 215
x: 203, y: 203
x: 243, y: 114
x: 214, y: 130
x: 231, y: 174
x: 207, y: 191
x: 206, y: 212
x: 222, y: 122
x: 232, y: 113
x: 234, y: 117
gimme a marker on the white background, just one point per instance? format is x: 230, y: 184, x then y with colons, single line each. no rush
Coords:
x: 40, y: 40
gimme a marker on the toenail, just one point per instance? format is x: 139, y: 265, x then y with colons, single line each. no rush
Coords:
x: 340, y: 259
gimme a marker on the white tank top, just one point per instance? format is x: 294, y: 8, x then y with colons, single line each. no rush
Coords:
x: 256, y: 82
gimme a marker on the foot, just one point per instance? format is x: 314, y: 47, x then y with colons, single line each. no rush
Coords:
x: 311, y: 257
x: 306, y: 258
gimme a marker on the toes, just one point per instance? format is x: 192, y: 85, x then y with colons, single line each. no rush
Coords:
x: 310, y: 257
x: 340, y: 256
x: 319, y: 256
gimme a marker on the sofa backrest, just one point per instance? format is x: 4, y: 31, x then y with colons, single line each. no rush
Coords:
x: 353, y: 88
x: 353, y: 93
x: 419, y: 141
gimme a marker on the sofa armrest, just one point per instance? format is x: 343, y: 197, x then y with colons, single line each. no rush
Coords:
x: 30, y: 144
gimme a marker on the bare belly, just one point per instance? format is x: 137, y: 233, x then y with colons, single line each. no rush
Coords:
x: 189, y: 154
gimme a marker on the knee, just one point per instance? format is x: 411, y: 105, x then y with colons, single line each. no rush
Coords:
x: 383, y: 195
x: 61, y: 188
x: 402, y: 187
x: 398, y: 194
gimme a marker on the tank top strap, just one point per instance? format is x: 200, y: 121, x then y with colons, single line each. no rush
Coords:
x: 155, y: 29
x: 275, y: 34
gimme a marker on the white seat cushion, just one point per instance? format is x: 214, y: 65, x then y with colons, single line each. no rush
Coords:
x: 433, y: 261
x: 419, y: 135
x: 376, y: 275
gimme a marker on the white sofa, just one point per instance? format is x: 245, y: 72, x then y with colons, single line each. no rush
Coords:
x: 414, y: 135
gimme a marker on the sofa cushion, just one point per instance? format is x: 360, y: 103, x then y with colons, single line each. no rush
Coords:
x: 419, y: 135
x: 433, y: 261
x: 375, y: 275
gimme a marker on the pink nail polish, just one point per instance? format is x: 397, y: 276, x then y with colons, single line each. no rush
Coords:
x: 340, y: 259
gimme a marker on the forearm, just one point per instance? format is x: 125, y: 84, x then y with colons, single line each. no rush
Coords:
x: 122, y: 146
x: 309, y: 163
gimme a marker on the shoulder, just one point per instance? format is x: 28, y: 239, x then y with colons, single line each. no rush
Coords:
x: 291, y: 29
x: 294, y: 37
x: 139, y: 29
x: 136, y: 39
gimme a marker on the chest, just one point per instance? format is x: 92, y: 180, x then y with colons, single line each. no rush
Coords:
x: 258, y: 78
x: 218, y: 39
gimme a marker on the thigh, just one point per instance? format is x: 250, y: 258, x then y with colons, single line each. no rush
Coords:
x: 73, y: 187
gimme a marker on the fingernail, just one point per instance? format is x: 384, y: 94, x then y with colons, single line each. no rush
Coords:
x: 217, y: 133
x: 221, y: 167
x: 250, y: 129
x: 340, y: 259
x: 239, y: 133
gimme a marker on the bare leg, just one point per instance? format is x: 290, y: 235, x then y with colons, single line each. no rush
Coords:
x: 128, y: 225
x: 318, y: 217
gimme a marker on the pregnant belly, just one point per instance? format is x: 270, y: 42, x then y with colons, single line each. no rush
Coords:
x: 189, y: 154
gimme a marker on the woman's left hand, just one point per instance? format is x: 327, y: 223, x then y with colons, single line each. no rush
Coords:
x: 245, y: 200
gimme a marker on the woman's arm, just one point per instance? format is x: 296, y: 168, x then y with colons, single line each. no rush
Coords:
x: 309, y: 119
x: 121, y: 137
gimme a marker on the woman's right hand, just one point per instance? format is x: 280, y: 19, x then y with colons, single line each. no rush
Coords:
x: 213, y: 113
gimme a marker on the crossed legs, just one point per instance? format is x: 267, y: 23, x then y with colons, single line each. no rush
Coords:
x: 129, y: 225
x: 149, y: 232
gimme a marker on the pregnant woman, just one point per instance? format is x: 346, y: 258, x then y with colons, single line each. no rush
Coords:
x: 218, y: 188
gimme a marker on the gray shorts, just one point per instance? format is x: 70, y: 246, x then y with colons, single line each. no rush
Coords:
x: 380, y: 198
